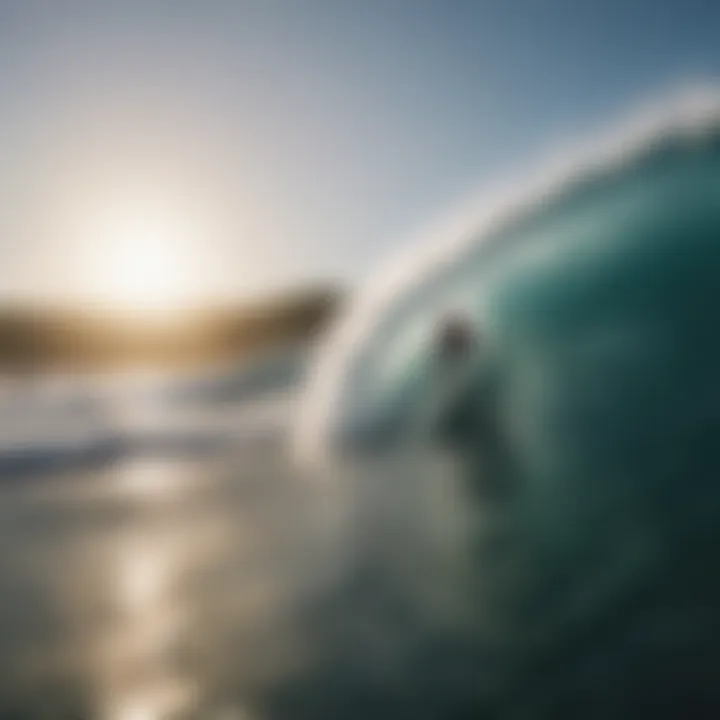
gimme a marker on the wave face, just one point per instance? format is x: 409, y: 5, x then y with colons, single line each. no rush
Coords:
x: 597, y: 412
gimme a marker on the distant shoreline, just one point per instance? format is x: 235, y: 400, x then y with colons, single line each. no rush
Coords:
x: 42, y: 340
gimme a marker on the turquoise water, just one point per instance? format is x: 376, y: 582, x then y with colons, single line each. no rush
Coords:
x: 590, y: 425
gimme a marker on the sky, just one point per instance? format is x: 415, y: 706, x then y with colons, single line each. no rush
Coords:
x: 195, y: 150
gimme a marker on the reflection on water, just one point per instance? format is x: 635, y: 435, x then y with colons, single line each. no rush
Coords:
x: 129, y: 593
x: 150, y: 619
x: 155, y: 588
x: 149, y: 574
x: 150, y: 479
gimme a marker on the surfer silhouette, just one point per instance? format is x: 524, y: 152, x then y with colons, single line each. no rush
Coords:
x: 456, y: 338
x: 464, y: 415
x: 455, y: 346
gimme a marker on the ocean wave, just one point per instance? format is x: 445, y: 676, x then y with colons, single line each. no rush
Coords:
x: 432, y: 272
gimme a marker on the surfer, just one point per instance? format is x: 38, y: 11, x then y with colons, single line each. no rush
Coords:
x: 456, y: 338
x: 464, y: 418
x: 455, y: 347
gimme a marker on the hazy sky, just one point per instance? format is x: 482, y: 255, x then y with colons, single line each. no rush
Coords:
x: 294, y: 139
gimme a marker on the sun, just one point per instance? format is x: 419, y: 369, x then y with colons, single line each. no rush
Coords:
x: 146, y: 267
x: 144, y: 260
